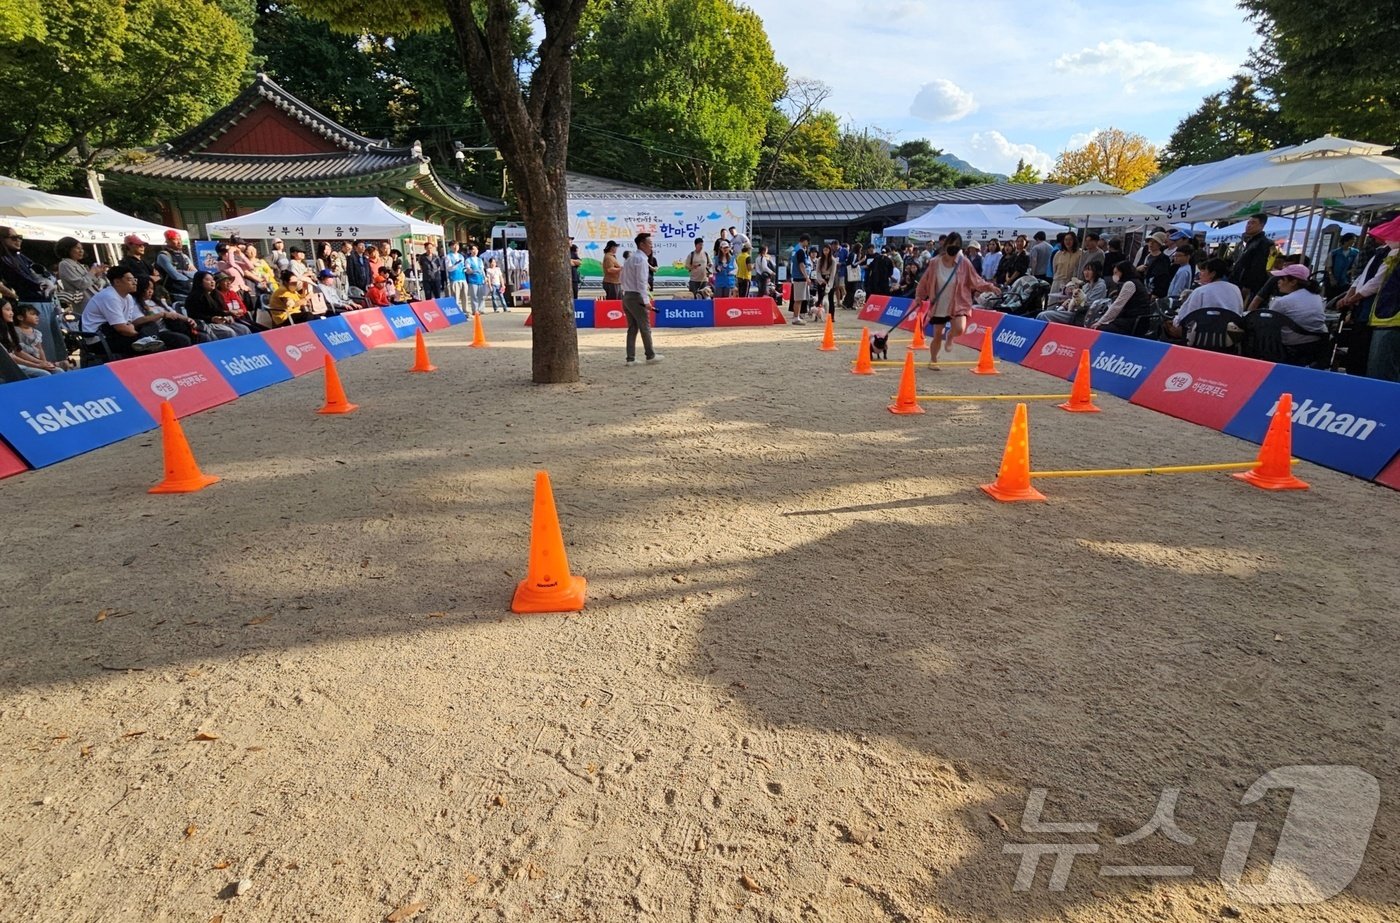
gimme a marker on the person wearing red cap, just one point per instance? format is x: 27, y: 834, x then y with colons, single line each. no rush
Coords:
x: 134, y: 260
x: 176, y: 264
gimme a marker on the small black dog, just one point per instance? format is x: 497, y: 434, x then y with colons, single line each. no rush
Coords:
x: 879, y: 346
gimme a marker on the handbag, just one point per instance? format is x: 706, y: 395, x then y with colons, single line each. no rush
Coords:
x: 853, y: 273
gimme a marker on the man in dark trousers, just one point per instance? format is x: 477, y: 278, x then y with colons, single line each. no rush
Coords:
x: 1252, y: 268
x: 357, y: 268
x: 879, y: 270
x: 433, y: 272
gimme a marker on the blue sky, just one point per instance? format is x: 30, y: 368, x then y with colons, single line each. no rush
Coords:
x: 992, y: 82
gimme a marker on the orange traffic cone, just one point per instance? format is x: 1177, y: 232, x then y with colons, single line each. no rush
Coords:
x: 985, y: 364
x: 1013, y: 481
x: 1274, y: 470
x: 182, y: 474
x: 829, y: 336
x: 863, y: 366
x: 907, y: 401
x: 1081, y: 399
x: 336, y: 402
x: 918, y: 341
x: 478, y: 333
x: 420, y: 355
x: 548, y: 586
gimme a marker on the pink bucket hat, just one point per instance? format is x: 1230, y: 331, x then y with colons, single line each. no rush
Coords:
x: 1388, y: 231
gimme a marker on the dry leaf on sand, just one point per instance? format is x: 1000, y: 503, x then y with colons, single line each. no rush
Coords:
x: 406, y: 912
x: 206, y: 735
x: 750, y: 885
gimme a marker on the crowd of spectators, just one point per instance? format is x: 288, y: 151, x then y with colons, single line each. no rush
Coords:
x: 158, y: 298
x: 1248, y: 298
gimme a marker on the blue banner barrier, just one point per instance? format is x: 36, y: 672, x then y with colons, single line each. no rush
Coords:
x: 894, y: 310
x: 335, y: 334
x: 50, y: 419
x: 247, y: 363
x: 584, y: 314
x: 1015, y: 336
x: 1345, y: 422
x: 1121, y: 364
x: 451, y: 311
x: 680, y: 313
x: 402, y: 320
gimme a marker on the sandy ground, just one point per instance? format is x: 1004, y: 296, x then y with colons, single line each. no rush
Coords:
x: 818, y: 676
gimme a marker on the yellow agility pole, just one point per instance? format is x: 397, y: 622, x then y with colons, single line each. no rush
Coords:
x: 990, y: 397
x: 1165, y: 469
x: 941, y: 364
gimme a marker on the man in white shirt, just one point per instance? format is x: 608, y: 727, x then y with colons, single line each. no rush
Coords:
x: 114, y: 315
x: 636, y: 299
x: 738, y: 238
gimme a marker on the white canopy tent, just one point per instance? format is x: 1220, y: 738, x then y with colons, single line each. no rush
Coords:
x: 18, y: 200
x: 1276, y: 229
x: 1093, y: 203
x: 973, y: 222
x: 104, y: 226
x: 347, y: 218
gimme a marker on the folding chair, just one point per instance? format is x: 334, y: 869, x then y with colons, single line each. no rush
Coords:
x: 1208, y: 328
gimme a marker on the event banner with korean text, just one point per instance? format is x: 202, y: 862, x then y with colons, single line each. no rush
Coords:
x: 672, y: 223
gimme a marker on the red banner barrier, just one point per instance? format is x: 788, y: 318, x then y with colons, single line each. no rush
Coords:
x: 609, y: 313
x: 10, y: 463
x: 299, y: 347
x: 430, y: 315
x: 1390, y: 475
x: 874, y: 308
x: 1057, y: 351
x: 746, y: 312
x: 184, y: 377
x: 1201, y: 386
x: 981, y: 321
x: 370, y: 326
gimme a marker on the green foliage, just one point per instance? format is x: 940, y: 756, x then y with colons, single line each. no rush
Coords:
x: 865, y: 162
x: 112, y: 77
x: 1331, y: 66
x: 1237, y: 120
x: 673, y: 93
x: 918, y: 162
x: 809, y: 158
x: 1025, y: 173
x: 332, y: 72
x: 19, y: 20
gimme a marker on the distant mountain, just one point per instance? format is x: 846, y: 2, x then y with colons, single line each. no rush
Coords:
x: 962, y: 166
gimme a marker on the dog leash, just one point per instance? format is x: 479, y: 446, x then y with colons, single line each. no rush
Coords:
x: 936, y: 295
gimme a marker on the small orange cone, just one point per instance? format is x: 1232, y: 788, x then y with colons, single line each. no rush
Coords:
x: 420, y: 355
x: 1013, y: 481
x: 1081, y: 398
x: 478, y: 333
x: 336, y: 402
x: 829, y: 336
x: 918, y: 341
x: 863, y: 366
x: 182, y: 474
x: 1274, y: 470
x: 907, y: 401
x: 985, y: 363
x: 548, y: 586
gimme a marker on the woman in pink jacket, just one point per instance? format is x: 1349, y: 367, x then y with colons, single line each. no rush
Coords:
x: 945, y: 294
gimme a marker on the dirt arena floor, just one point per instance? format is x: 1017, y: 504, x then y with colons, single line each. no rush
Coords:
x: 818, y: 677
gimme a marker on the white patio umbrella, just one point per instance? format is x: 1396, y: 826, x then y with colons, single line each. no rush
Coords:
x: 1095, y: 201
x: 1326, y: 169
x: 22, y: 202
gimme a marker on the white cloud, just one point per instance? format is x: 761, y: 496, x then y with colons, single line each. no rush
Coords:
x: 1079, y: 139
x: 1146, y: 63
x: 942, y: 101
x: 990, y: 150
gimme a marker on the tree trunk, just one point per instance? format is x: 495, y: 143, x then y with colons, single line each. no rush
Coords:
x: 531, y: 132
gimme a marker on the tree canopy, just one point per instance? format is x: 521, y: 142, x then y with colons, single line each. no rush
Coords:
x: 673, y: 93
x: 108, y: 77
x: 1025, y: 173
x: 1237, y: 120
x: 1123, y: 159
x: 1331, y: 66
